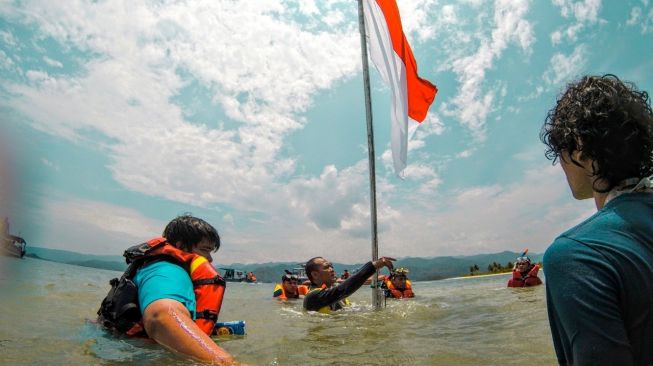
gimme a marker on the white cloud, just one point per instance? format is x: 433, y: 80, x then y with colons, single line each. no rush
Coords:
x: 53, y: 63
x: 417, y: 19
x: 647, y: 24
x: 465, y: 154
x: 584, y: 13
x: 125, y: 92
x: 93, y: 227
x: 228, y: 219
x: 637, y: 17
x: 426, y: 176
x: 8, y: 39
x: 50, y: 164
x: 448, y: 15
x: 326, y: 199
x: 472, y: 104
x: 5, y: 62
x: 530, y: 213
x: 432, y: 125
x: 563, y: 68
x: 308, y: 7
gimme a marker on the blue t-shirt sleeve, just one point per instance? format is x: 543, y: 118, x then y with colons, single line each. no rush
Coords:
x: 164, y: 280
x: 583, y: 306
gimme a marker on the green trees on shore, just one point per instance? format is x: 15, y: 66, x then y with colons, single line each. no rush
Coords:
x: 493, y: 267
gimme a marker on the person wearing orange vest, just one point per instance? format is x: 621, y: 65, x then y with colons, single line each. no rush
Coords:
x: 178, y: 292
x: 397, y: 285
x: 250, y: 277
x: 345, y: 275
x: 288, y: 288
x: 524, y: 274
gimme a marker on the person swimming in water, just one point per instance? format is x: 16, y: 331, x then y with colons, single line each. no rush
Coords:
x: 397, y: 285
x: 323, y: 296
x: 524, y: 273
x: 289, y: 288
x: 345, y: 275
x: 170, y: 292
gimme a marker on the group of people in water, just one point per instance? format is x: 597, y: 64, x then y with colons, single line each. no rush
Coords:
x: 395, y: 285
x: 599, y: 273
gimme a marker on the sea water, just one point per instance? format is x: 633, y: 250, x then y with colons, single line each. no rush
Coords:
x: 47, y: 311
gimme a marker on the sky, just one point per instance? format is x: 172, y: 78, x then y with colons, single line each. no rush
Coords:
x: 117, y: 116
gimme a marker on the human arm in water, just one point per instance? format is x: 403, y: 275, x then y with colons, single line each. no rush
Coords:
x: 316, y: 300
x: 169, y: 323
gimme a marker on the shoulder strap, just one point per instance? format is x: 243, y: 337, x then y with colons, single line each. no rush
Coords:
x: 137, y: 263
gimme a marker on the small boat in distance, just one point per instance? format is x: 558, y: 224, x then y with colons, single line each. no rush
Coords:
x: 13, y: 246
x: 235, y: 275
x: 300, y: 272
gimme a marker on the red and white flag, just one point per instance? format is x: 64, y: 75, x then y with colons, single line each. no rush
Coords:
x: 393, y: 58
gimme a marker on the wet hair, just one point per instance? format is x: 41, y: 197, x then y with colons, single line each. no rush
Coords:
x: 189, y: 231
x: 311, y: 265
x: 608, y: 121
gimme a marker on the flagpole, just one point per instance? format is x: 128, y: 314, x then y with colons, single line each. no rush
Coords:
x: 370, y: 149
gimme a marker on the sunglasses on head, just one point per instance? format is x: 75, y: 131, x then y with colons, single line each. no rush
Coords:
x: 291, y: 278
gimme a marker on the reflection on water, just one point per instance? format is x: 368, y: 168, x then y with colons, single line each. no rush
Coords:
x: 48, y: 308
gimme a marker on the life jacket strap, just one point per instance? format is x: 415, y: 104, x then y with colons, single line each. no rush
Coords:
x: 207, y: 314
x: 217, y: 280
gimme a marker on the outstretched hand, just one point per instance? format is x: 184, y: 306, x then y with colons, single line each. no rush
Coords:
x: 384, y: 262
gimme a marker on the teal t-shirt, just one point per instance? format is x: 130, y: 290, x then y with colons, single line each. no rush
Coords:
x: 599, y: 286
x: 164, y: 280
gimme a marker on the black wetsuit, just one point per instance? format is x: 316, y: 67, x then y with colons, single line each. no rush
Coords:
x: 332, y: 297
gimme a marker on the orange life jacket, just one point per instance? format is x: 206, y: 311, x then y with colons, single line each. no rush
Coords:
x: 530, y: 279
x: 280, y: 293
x: 208, y: 285
x: 396, y: 293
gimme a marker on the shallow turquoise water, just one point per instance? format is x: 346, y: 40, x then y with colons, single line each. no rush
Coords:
x: 46, y: 308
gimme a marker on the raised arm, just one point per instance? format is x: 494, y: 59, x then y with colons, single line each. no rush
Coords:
x: 318, y: 299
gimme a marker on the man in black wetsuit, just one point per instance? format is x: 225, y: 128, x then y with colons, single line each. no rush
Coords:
x: 323, y: 296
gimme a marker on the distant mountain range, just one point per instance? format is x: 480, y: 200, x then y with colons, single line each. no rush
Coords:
x: 421, y: 269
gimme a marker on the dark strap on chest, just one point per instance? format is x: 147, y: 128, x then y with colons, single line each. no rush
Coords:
x: 217, y: 280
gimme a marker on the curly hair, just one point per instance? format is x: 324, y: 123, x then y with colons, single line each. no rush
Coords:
x: 189, y: 231
x: 610, y: 122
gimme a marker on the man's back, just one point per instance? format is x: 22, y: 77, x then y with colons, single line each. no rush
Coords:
x: 600, y: 286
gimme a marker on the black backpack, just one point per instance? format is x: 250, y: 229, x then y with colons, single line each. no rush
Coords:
x: 120, y: 310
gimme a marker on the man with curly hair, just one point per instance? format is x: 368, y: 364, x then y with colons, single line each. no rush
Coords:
x: 599, y: 274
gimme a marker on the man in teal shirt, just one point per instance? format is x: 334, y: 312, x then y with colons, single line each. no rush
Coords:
x: 164, y: 280
x: 166, y: 296
x: 599, y: 274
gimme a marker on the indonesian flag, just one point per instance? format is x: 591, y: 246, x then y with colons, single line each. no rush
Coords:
x: 393, y: 58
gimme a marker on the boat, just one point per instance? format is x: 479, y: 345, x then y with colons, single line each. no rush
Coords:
x: 13, y: 246
x: 235, y: 275
x: 300, y: 272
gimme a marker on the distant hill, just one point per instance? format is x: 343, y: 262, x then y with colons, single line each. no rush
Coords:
x: 111, y: 262
x: 421, y: 269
